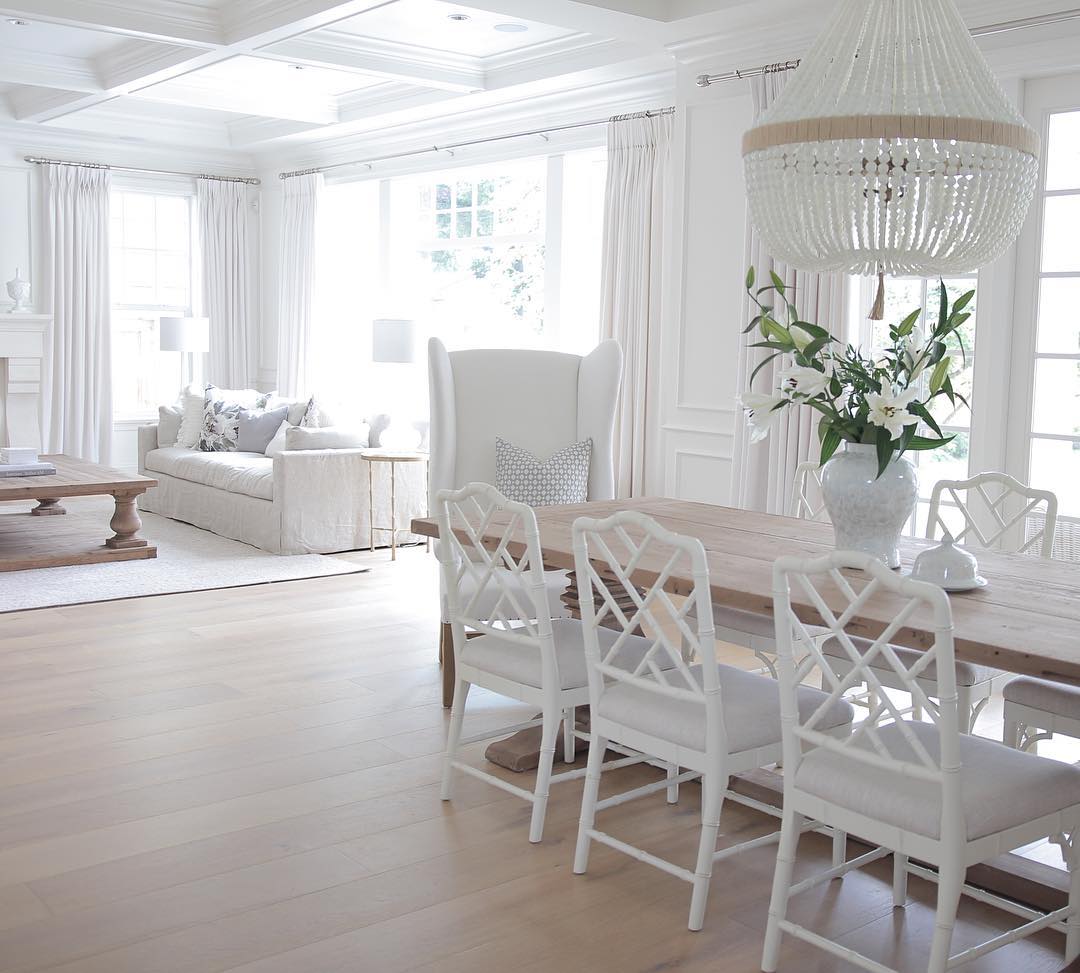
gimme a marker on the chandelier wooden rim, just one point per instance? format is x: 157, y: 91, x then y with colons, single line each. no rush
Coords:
x: 849, y: 127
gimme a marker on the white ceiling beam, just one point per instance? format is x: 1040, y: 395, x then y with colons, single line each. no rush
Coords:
x: 257, y: 23
x: 396, y: 62
x: 31, y: 104
x: 158, y: 20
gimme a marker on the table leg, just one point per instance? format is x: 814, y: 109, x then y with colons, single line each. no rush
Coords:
x: 48, y: 508
x: 393, y: 515
x: 371, y: 508
x: 126, y: 523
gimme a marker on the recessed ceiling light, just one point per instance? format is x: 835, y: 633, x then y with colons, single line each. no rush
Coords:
x: 16, y: 22
x: 458, y: 18
x: 511, y: 28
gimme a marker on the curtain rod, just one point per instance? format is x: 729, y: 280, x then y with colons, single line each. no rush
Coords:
x: 543, y: 132
x: 1063, y: 16
x: 250, y: 180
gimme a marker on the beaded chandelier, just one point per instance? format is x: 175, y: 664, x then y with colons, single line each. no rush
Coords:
x: 892, y: 150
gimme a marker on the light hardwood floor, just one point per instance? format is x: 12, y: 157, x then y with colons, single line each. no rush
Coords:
x: 246, y: 780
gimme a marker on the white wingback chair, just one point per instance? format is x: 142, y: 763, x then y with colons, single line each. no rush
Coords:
x: 541, y: 401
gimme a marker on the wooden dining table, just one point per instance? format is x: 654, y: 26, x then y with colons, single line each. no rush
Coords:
x: 1026, y: 620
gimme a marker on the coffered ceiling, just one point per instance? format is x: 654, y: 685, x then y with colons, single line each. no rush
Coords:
x: 270, y: 78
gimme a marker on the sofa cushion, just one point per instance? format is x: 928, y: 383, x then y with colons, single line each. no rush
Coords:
x: 251, y: 474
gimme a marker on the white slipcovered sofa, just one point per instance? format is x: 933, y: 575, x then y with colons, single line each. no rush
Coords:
x: 301, y: 501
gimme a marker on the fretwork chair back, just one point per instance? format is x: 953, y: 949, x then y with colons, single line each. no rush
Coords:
x: 705, y: 720
x: 494, y: 580
x: 988, y: 511
x: 917, y: 790
x: 749, y: 629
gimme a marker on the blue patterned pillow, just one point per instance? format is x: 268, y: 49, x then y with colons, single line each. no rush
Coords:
x: 563, y: 478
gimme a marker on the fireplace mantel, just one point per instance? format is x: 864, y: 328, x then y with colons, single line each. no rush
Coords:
x: 22, y: 351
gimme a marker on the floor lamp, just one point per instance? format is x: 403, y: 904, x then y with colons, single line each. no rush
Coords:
x: 189, y: 336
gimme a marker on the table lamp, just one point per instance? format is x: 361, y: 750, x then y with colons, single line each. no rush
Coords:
x: 393, y: 341
x: 189, y: 336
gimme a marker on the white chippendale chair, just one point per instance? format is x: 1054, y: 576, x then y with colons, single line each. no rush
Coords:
x: 916, y: 790
x: 991, y: 513
x: 519, y: 650
x: 542, y: 401
x: 748, y: 629
x: 707, y: 719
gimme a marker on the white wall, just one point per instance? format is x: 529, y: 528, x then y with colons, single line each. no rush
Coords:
x: 705, y: 256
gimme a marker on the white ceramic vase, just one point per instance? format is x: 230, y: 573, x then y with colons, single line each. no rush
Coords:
x: 867, y: 511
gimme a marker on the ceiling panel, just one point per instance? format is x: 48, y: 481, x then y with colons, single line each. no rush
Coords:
x: 47, y: 38
x: 272, y: 79
x: 426, y: 23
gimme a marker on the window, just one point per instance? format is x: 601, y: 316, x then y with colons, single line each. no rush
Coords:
x: 151, y: 258
x: 902, y: 296
x: 1054, y: 448
x: 502, y: 255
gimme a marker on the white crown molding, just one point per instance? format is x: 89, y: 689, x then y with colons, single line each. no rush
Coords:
x: 140, y: 63
x: 192, y: 92
x: 49, y: 71
x: 559, y: 57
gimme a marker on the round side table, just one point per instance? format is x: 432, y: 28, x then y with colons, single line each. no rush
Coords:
x: 393, y: 457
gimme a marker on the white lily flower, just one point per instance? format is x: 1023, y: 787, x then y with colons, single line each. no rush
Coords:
x: 801, y: 338
x: 889, y: 410
x: 915, y: 347
x: 761, y: 413
x: 804, y: 381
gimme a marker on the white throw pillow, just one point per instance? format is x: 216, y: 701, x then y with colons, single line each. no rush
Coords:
x: 327, y: 437
x: 192, y: 403
x: 168, y: 428
x: 296, y: 407
x: 276, y: 446
x: 562, y: 478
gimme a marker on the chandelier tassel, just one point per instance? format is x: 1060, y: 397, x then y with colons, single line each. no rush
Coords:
x: 877, y: 312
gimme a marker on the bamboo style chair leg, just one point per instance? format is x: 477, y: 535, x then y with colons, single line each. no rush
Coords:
x: 790, y: 829
x: 950, y: 886
x: 552, y: 720
x: 673, y: 785
x: 899, y: 880
x: 597, y: 748
x: 453, y: 737
x: 712, y: 803
x: 569, y: 745
x: 1072, y: 924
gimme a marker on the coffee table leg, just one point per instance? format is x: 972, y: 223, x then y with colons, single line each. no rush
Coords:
x: 48, y: 508
x: 126, y: 523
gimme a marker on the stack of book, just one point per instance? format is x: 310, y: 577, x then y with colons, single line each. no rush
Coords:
x: 20, y: 461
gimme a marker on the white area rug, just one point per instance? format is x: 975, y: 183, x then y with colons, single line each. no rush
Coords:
x: 188, y: 559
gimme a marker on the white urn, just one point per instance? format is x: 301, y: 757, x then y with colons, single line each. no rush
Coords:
x: 19, y: 291
x: 868, y: 511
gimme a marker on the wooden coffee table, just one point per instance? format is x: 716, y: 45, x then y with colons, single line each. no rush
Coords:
x: 41, y: 539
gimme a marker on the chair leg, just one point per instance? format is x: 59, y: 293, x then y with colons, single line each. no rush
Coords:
x: 597, y: 749
x: 552, y: 719
x: 453, y: 735
x: 839, y: 847
x: 967, y: 713
x: 899, y: 880
x: 1072, y: 924
x: 712, y: 803
x: 916, y: 712
x: 569, y: 748
x: 950, y: 885
x: 790, y: 829
x: 672, y: 788
x: 1011, y: 734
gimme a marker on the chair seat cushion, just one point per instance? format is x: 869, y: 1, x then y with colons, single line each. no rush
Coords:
x: 751, y: 706
x: 967, y: 674
x: 521, y: 663
x: 1000, y: 788
x: 251, y: 474
x: 1044, y: 695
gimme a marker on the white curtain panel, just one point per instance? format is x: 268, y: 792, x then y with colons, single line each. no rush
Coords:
x: 76, y: 380
x: 764, y: 472
x: 225, y: 239
x: 637, y: 185
x: 300, y: 201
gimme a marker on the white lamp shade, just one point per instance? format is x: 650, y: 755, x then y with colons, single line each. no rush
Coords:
x: 184, y: 334
x: 393, y: 340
